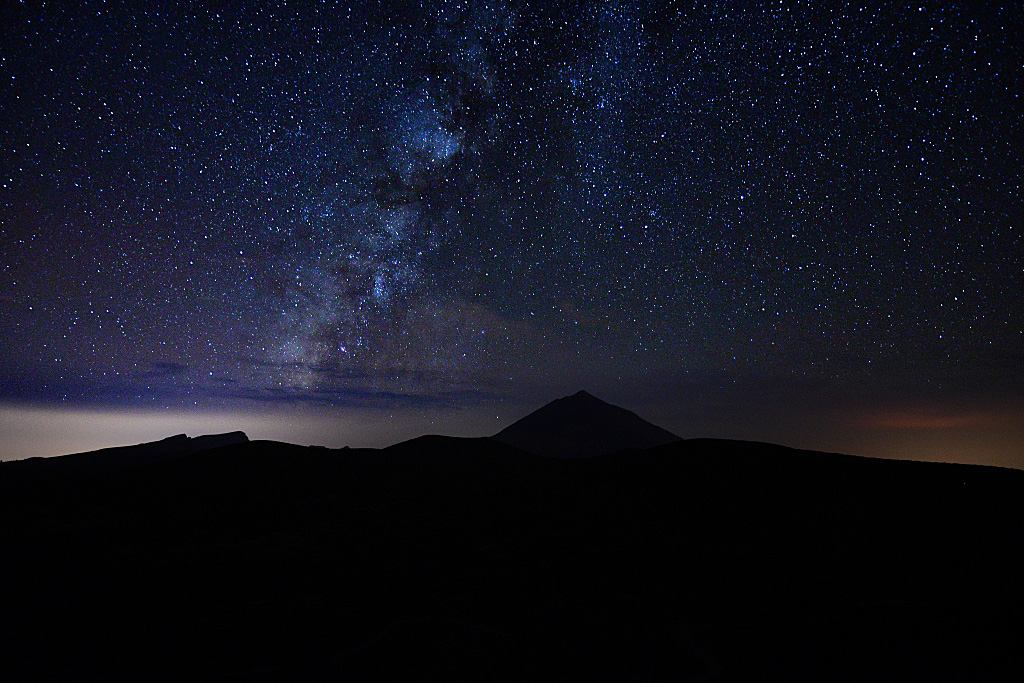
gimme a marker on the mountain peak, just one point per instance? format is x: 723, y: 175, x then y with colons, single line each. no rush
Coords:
x: 582, y: 425
x: 583, y: 395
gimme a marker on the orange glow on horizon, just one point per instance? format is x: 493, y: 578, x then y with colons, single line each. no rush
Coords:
x: 936, y: 419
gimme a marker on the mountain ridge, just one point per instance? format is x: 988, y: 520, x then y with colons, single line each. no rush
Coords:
x: 167, y: 448
x: 582, y: 425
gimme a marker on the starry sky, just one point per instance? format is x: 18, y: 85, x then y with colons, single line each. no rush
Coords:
x: 348, y: 223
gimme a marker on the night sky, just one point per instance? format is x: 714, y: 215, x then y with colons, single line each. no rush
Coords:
x: 349, y: 223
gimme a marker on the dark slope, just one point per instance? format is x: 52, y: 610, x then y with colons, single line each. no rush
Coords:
x: 153, y: 451
x: 582, y: 425
x: 461, y: 558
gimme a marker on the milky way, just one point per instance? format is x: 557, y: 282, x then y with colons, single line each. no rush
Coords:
x: 370, y: 292
x: 370, y: 203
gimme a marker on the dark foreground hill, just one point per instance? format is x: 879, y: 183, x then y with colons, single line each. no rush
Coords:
x: 450, y: 558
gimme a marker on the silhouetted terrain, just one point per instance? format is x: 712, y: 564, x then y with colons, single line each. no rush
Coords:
x: 467, y: 558
x: 154, y: 451
x: 582, y: 425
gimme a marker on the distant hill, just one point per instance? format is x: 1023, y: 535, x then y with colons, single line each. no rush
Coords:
x: 153, y: 451
x: 580, y: 426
